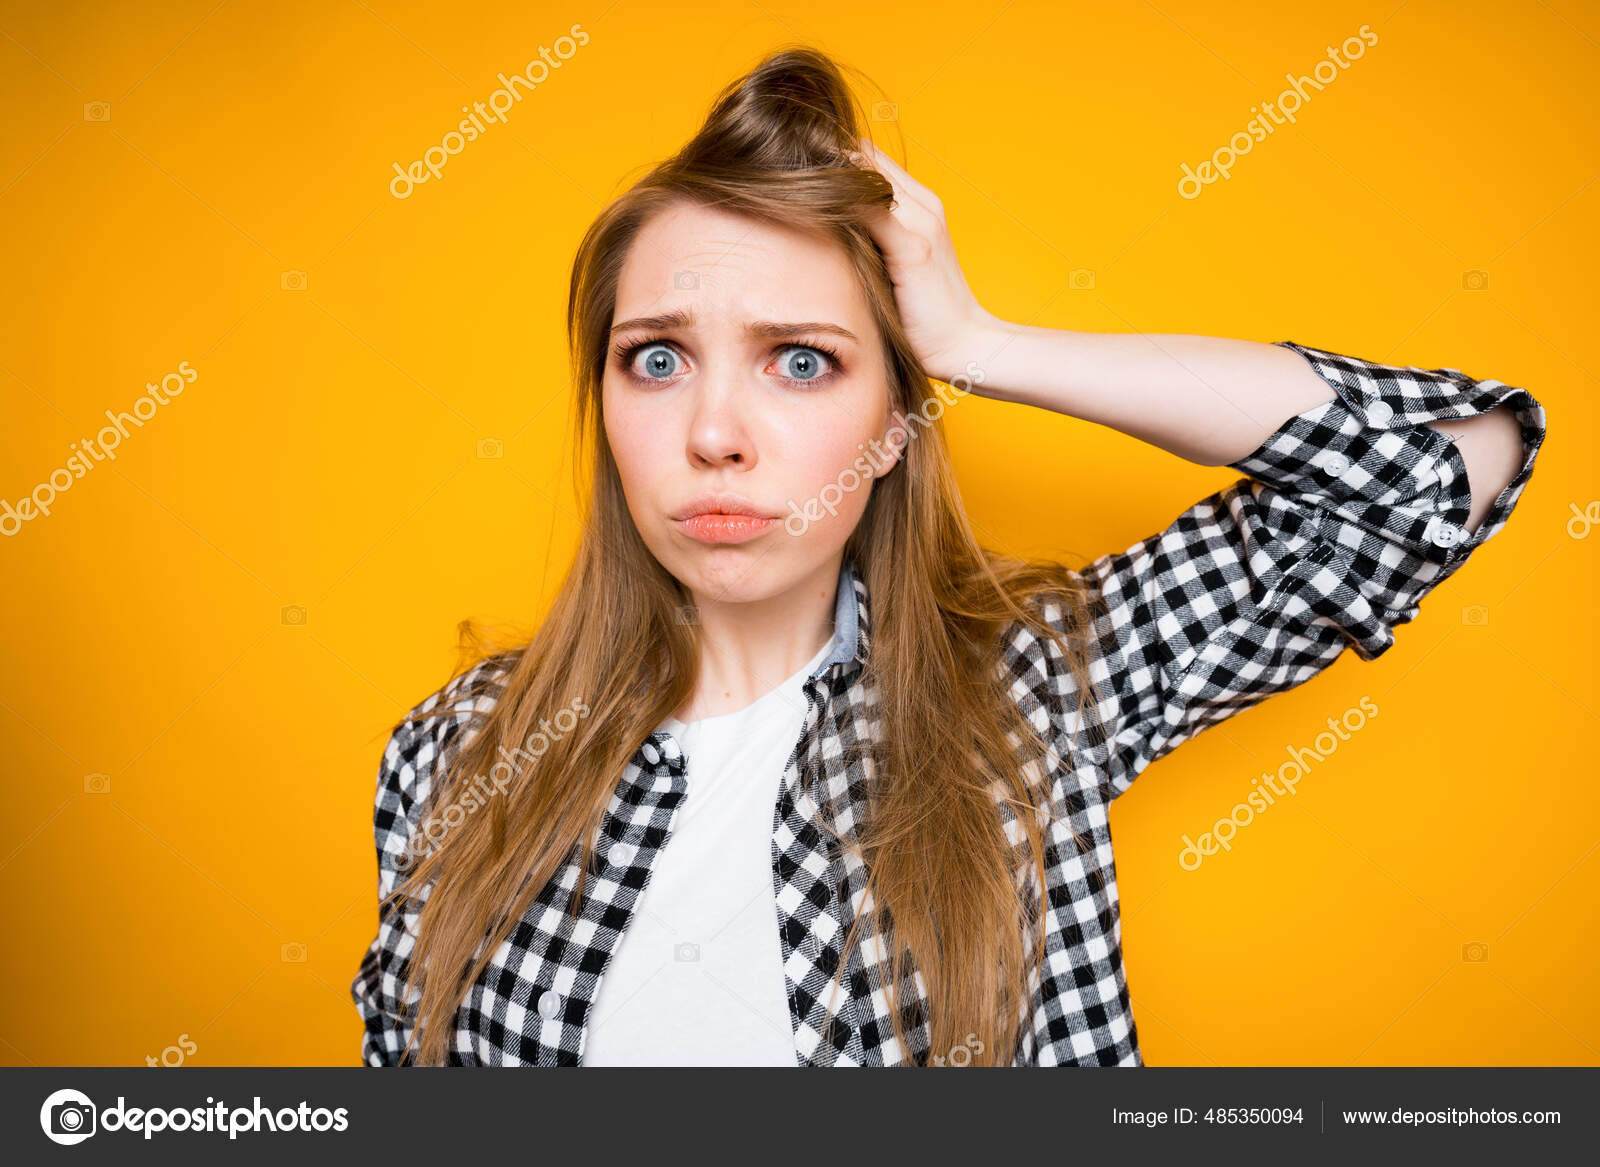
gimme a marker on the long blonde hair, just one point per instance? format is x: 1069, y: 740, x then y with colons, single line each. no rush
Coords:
x: 962, y: 903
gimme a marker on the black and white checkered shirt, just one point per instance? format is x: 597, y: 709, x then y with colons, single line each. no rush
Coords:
x: 1351, y: 512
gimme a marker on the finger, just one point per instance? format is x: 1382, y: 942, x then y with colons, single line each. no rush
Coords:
x: 914, y: 191
x: 885, y: 166
x: 911, y: 215
x: 900, y: 237
x: 905, y: 230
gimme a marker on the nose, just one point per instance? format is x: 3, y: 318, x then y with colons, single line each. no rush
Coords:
x: 718, y: 431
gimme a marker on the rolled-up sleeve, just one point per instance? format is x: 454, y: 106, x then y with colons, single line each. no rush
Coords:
x: 1386, y: 492
x: 1353, y: 511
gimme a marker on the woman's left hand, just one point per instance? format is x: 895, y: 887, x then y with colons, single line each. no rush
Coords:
x: 942, y: 317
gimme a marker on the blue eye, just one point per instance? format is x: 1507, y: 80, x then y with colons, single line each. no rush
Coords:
x: 659, y: 362
x: 802, y: 363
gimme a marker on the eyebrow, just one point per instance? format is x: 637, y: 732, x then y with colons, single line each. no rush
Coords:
x: 771, y: 329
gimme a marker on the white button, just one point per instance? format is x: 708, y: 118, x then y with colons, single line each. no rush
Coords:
x: 549, y: 1005
x: 651, y: 754
x: 1380, y: 413
x: 1336, y: 463
x: 1445, y: 534
x: 622, y: 854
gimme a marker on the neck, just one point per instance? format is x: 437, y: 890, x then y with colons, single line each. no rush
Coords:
x: 749, y: 649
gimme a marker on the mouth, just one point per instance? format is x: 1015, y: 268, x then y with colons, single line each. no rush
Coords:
x: 722, y: 519
x: 716, y: 527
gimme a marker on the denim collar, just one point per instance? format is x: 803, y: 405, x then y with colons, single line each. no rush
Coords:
x: 850, y: 622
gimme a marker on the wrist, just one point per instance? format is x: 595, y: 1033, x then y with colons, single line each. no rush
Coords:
x: 989, y: 353
x: 965, y: 357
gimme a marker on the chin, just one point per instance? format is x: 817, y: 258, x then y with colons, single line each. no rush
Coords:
x: 734, y: 575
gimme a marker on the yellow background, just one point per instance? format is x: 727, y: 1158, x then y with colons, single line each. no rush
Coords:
x: 327, y: 457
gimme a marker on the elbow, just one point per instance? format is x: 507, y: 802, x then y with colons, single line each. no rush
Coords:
x: 1492, y: 451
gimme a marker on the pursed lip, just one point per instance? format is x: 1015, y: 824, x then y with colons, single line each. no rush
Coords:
x: 721, y: 503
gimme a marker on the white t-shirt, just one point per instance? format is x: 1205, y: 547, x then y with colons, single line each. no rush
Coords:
x: 698, y: 978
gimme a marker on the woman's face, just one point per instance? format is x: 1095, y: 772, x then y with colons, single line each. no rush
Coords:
x: 745, y: 369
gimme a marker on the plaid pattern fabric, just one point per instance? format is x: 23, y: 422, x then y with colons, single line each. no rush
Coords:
x: 1351, y: 512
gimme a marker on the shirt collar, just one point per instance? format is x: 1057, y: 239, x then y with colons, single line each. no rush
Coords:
x: 851, y: 622
x: 852, y: 637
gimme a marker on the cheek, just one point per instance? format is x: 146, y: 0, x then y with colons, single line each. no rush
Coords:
x: 833, y: 464
x: 632, y: 437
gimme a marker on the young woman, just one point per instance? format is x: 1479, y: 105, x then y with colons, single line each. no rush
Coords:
x: 795, y: 771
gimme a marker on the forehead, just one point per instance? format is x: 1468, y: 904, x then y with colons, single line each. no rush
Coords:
x: 730, y: 267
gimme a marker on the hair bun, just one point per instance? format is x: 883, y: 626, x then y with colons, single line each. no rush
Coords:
x: 792, y: 112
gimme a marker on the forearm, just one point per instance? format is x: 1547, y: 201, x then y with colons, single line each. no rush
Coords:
x: 1211, y: 400
x: 1208, y: 399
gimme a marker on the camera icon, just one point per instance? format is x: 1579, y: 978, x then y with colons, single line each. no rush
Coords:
x: 293, y: 616
x: 885, y: 111
x: 1081, y: 279
x: 685, y: 281
x: 293, y: 953
x: 293, y: 281
x: 97, y: 111
x: 687, y: 614
x: 1475, y: 280
x: 491, y: 448
x: 72, y: 1119
x: 97, y: 783
x: 1475, y: 615
x: 1475, y: 952
x: 685, y: 953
